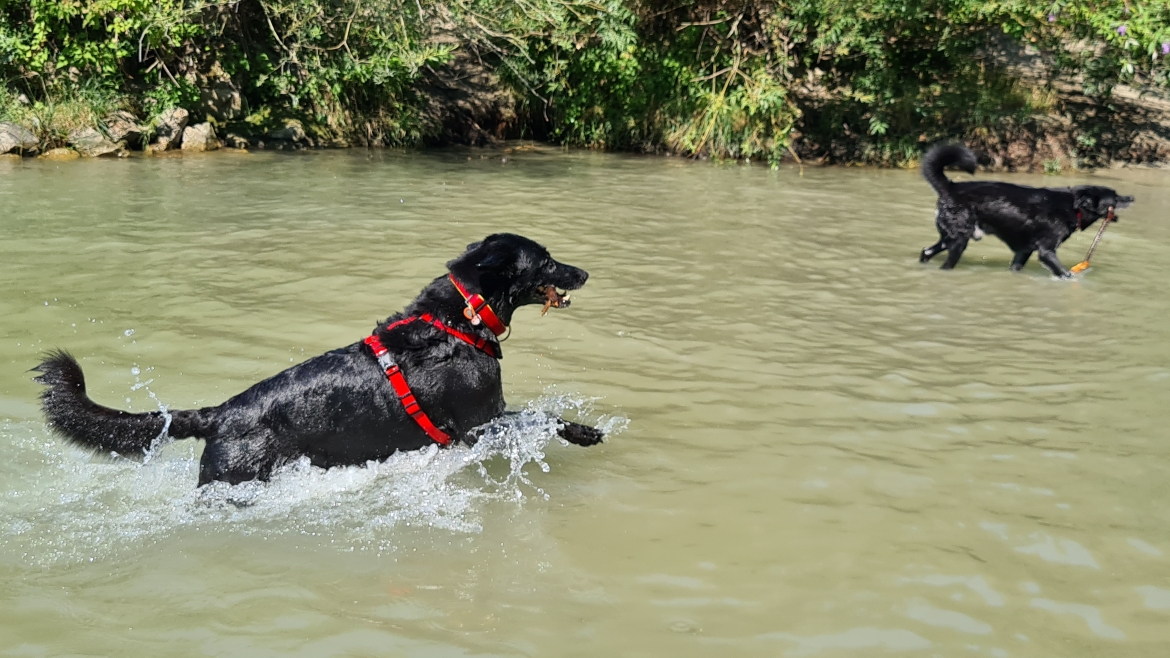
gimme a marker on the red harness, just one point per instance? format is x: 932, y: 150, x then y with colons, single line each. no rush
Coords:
x: 398, y: 380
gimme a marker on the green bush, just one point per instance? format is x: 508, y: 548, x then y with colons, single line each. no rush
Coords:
x: 877, y: 78
x: 333, y: 63
x: 858, y: 80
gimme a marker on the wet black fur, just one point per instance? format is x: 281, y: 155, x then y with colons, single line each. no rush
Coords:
x: 338, y: 408
x: 1028, y: 219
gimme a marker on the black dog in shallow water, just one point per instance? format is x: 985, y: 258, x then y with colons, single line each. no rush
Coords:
x: 1028, y: 219
x: 346, y: 407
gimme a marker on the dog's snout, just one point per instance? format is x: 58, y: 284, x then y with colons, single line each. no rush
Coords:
x: 569, y: 277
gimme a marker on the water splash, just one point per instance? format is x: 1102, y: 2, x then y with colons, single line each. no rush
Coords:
x: 66, y: 506
x: 163, y: 437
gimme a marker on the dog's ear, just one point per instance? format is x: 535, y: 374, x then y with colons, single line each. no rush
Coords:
x: 467, y: 257
x: 496, y: 261
x: 1084, y: 201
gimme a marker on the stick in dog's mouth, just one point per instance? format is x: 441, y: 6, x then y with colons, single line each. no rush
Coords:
x: 552, y: 298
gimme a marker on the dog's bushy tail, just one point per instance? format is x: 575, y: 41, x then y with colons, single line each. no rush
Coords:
x: 942, y: 156
x: 79, y: 419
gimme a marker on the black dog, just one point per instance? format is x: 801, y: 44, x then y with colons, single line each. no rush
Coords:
x: 354, y: 404
x: 1028, y: 219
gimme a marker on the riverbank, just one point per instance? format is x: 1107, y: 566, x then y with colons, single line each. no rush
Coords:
x: 1135, y: 133
x: 507, y: 149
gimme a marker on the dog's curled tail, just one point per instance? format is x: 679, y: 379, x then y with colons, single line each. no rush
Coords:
x: 79, y: 419
x: 942, y: 156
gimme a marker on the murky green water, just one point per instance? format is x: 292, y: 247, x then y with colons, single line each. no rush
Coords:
x: 830, y: 449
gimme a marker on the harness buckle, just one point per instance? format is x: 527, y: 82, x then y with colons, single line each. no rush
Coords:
x: 386, y: 362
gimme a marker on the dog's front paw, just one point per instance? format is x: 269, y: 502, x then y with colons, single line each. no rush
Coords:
x: 582, y: 435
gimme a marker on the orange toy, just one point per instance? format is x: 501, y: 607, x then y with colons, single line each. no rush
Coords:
x: 1084, y: 265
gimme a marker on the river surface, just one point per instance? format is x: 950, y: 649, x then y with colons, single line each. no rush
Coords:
x: 817, y: 446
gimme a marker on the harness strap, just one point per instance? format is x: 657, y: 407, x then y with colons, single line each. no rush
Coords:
x: 405, y: 395
x: 398, y: 380
x: 489, y: 348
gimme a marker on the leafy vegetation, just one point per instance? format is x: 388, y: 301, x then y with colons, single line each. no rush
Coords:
x: 853, y: 80
x: 53, y: 117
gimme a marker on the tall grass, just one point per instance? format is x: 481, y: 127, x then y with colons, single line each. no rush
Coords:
x: 61, y: 110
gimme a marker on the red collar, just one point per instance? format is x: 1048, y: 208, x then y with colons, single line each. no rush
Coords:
x: 478, y: 309
x: 1080, y: 219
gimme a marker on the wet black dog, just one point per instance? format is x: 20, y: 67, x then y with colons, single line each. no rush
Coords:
x: 340, y: 408
x: 1028, y: 219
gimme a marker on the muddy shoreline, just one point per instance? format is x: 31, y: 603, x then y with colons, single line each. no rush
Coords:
x: 1016, y: 156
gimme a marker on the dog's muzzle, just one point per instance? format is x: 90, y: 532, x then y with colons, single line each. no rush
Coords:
x: 567, y: 278
x: 553, y: 298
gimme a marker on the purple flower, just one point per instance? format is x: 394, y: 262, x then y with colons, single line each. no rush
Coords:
x: 1121, y: 30
x: 1051, y: 18
x: 1166, y: 47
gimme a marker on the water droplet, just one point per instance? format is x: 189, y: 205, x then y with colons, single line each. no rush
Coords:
x: 129, y: 332
x: 135, y: 371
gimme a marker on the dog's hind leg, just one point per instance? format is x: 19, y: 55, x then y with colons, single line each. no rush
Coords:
x: 932, y: 251
x: 955, y: 252
x: 956, y: 228
x: 1048, y: 257
x: 238, y: 459
x: 1021, y: 259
